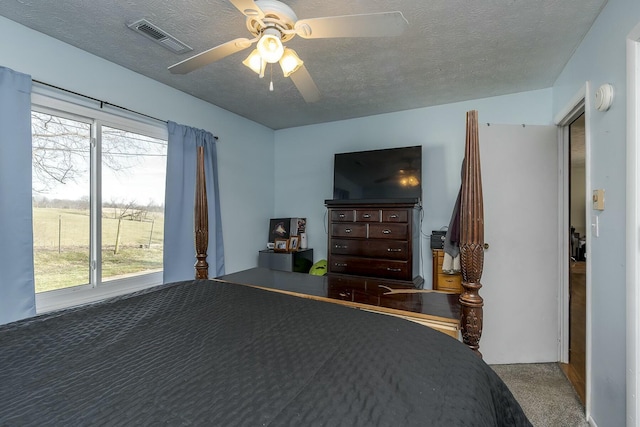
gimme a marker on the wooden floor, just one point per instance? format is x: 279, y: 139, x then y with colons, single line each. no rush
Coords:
x: 576, y: 368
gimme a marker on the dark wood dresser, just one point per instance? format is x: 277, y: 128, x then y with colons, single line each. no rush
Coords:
x: 379, y: 240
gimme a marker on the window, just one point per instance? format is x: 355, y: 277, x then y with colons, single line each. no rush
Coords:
x: 98, y: 197
x: 60, y: 195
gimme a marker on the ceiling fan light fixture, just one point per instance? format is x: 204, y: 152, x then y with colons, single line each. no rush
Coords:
x: 290, y: 62
x: 255, y: 62
x: 270, y: 45
x: 409, y: 181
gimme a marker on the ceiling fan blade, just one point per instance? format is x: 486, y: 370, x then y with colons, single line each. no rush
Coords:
x: 305, y: 84
x: 368, y: 25
x: 381, y: 180
x: 248, y: 8
x: 208, y: 56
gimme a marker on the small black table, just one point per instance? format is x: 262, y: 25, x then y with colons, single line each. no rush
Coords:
x: 299, y: 261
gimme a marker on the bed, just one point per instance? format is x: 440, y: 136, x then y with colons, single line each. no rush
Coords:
x: 209, y: 352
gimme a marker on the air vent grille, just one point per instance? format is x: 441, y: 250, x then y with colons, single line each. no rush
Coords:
x: 153, y: 32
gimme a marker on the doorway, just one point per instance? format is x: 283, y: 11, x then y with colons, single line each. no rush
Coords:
x: 633, y: 224
x: 576, y: 259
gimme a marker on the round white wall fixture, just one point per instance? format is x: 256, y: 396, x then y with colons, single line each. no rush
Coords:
x: 604, y: 97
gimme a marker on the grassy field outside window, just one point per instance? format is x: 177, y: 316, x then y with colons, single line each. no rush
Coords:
x: 61, y: 242
x: 93, y: 179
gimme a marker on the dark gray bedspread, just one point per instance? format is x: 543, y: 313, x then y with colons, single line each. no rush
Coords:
x: 215, y: 354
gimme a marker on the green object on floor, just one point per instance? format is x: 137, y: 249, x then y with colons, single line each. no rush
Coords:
x: 319, y: 268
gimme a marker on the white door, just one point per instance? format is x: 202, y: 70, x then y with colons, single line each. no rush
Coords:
x: 520, y: 178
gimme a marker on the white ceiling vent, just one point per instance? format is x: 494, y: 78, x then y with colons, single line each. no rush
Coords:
x: 153, y: 32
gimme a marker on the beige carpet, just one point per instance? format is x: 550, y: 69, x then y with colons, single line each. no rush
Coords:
x: 545, y: 394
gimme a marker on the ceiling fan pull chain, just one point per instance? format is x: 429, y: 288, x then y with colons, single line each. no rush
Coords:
x: 271, y: 78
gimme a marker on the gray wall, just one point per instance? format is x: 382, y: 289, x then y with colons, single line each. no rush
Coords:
x: 304, y: 179
x: 245, y: 148
x: 601, y: 58
x: 292, y: 178
x: 304, y: 155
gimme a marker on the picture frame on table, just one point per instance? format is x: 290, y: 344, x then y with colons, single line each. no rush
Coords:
x: 279, y: 228
x: 294, y: 243
x: 281, y: 245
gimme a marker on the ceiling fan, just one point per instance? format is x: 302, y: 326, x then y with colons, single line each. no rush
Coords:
x: 272, y: 22
x: 404, y: 176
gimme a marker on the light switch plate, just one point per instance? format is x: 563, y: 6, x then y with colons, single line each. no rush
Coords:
x: 598, y: 200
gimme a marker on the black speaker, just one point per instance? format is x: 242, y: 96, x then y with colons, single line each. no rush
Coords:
x: 437, y: 239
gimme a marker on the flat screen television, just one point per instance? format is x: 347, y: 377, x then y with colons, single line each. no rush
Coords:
x: 389, y: 174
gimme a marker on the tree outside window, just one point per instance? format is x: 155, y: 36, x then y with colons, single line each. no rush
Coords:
x: 128, y: 176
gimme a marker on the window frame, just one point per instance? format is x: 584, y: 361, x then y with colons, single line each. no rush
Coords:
x: 52, y: 101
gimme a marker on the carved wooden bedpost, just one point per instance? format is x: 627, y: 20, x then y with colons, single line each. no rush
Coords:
x: 471, y: 238
x: 201, y: 220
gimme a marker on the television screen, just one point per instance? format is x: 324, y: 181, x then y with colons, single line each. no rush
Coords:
x: 394, y: 173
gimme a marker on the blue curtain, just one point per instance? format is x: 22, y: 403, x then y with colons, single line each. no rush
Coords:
x: 17, y: 289
x: 179, y: 240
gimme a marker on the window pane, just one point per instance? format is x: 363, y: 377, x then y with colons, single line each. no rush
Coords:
x: 133, y: 182
x: 60, y: 191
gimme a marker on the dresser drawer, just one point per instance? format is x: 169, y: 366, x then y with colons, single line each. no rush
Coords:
x: 449, y: 282
x: 388, y: 231
x: 391, y: 249
x: 389, y: 215
x: 349, y: 230
x: 391, y: 269
x: 348, y: 246
x: 368, y: 215
x: 342, y: 215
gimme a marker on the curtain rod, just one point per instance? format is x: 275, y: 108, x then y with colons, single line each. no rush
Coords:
x: 102, y: 103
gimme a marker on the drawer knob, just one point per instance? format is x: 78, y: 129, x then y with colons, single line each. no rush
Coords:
x: 341, y: 216
x: 395, y: 270
x: 340, y: 264
x: 386, y: 231
x: 394, y: 250
x: 347, y: 230
x: 366, y: 216
x: 394, y: 216
x: 340, y: 246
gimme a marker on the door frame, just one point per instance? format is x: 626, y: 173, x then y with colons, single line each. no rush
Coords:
x: 576, y: 106
x: 633, y: 226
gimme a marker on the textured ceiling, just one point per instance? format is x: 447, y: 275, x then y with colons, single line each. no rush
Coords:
x: 453, y: 50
